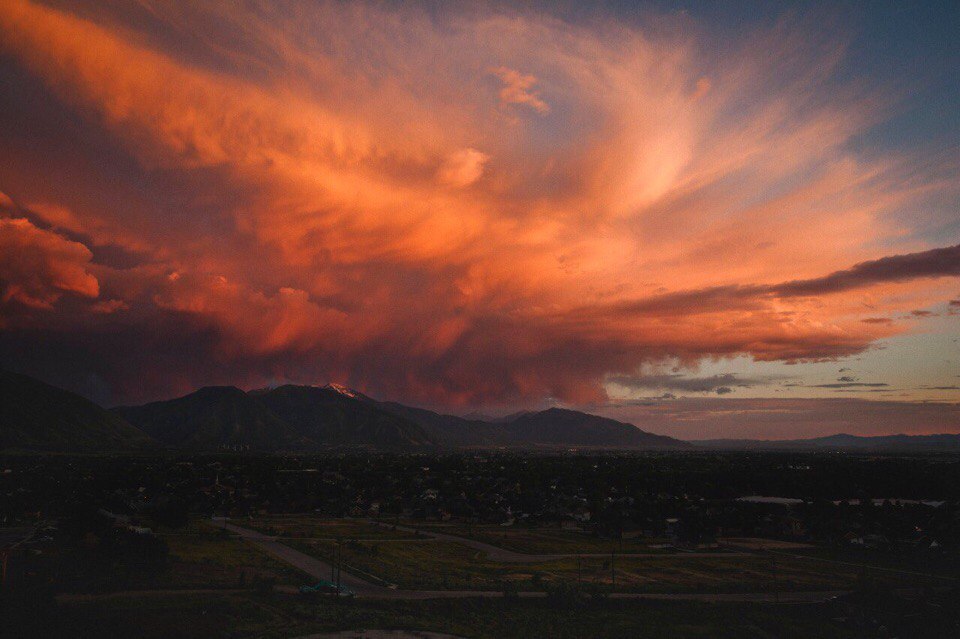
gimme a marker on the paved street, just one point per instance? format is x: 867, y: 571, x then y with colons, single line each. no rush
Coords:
x: 502, y: 555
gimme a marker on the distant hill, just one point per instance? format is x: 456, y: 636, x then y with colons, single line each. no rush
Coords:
x: 842, y: 441
x: 451, y: 431
x: 562, y: 427
x: 337, y: 416
x: 552, y: 428
x: 212, y: 418
x: 37, y: 416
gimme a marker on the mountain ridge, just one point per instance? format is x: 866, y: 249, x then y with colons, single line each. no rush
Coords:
x: 38, y: 416
x: 550, y: 428
x: 335, y: 415
x: 839, y: 441
x: 304, y: 418
x: 213, y: 417
x: 288, y: 417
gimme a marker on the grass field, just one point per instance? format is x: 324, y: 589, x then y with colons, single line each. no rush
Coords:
x: 542, y: 540
x: 447, y: 565
x: 219, y: 561
x: 323, y: 528
x: 242, y: 615
x: 196, y: 557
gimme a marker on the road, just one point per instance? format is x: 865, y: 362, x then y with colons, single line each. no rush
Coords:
x: 862, y: 566
x: 502, y: 555
x: 304, y: 562
x: 363, y: 588
x: 136, y: 594
x: 323, y: 570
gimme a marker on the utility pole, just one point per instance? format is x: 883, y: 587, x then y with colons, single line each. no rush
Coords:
x: 613, y: 570
x: 776, y: 585
x: 339, y: 566
x: 338, y: 551
x: 333, y: 564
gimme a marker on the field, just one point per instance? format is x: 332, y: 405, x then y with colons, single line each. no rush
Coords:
x: 540, y: 540
x: 307, y: 526
x: 195, y: 557
x: 219, y: 561
x: 443, y: 565
x: 249, y: 615
x: 92, y: 574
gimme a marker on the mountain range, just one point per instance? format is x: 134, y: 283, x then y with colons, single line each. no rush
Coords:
x: 842, y: 441
x: 287, y: 418
x: 37, y: 416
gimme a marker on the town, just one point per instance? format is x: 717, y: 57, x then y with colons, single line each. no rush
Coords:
x: 862, y: 537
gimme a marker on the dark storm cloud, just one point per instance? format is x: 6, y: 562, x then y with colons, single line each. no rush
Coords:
x: 720, y: 384
x: 850, y: 385
x: 940, y: 262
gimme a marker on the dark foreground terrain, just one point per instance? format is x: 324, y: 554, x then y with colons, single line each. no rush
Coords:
x: 655, y: 544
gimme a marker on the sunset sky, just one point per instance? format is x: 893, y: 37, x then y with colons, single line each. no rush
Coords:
x: 736, y: 220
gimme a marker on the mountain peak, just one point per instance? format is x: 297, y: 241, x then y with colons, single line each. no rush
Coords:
x: 557, y: 426
x: 217, y: 391
x: 344, y: 390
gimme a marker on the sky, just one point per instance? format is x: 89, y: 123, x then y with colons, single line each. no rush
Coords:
x: 663, y: 212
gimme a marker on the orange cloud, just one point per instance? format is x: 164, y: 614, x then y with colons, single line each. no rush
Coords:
x: 253, y: 321
x: 518, y: 89
x: 38, y: 267
x: 109, y: 306
x: 365, y: 208
x: 462, y: 168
